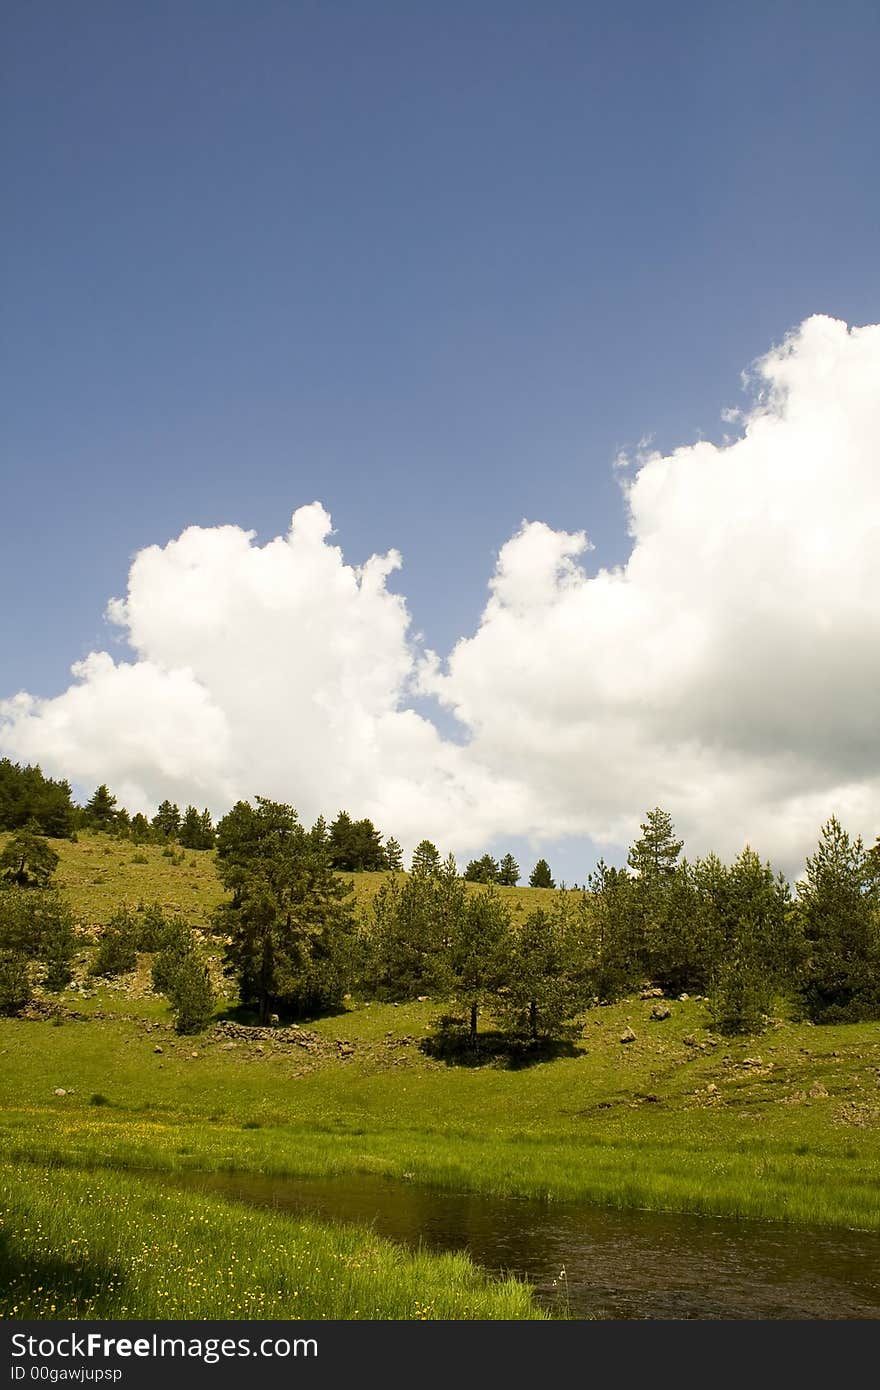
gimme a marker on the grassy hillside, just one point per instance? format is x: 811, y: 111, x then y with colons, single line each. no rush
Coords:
x: 785, y: 1126
x: 99, y: 873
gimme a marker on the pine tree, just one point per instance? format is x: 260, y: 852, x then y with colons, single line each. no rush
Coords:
x: 36, y: 928
x: 318, y: 835
x: 839, y: 911
x: 426, y: 858
x: 190, y: 995
x: 289, y: 922
x: 116, y: 952
x: 619, y: 949
x: 196, y: 830
x: 393, y: 855
x: 541, y: 876
x: 207, y: 834
x: 28, y: 860
x: 754, y: 944
x: 508, y: 872
x: 542, y: 990
x: 355, y: 846
x: 483, y: 870
x: 403, y: 939
x: 140, y: 831
x: 477, y: 961
x: 25, y: 795
x: 166, y: 821
x: 656, y: 852
x: 99, y: 812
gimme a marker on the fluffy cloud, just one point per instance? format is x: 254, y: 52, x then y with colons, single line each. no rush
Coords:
x: 274, y: 669
x: 729, y: 671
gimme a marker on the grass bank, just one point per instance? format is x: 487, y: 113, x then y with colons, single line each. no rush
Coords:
x: 113, y: 1246
x: 786, y: 1127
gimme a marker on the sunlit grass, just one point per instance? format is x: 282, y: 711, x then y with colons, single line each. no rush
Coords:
x: 106, y: 1245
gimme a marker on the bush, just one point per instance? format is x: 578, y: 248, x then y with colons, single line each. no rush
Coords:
x: 190, y: 994
x: 36, y: 924
x: 175, y: 942
x: 15, y: 985
x: 180, y: 973
x: 116, y: 953
x: 151, y: 928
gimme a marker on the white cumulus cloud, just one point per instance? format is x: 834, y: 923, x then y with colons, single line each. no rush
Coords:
x: 729, y: 671
x: 274, y: 669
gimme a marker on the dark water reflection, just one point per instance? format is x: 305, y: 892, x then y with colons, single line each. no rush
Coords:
x: 617, y: 1264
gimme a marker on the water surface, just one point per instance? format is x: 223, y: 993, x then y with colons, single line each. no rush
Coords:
x: 617, y: 1264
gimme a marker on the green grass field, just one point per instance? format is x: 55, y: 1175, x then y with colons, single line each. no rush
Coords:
x: 785, y: 1126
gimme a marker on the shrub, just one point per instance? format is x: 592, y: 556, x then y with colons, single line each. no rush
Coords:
x: 151, y: 928
x: 116, y: 953
x: 15, y: 985
x: 190, y: 994
x: 175, y: 942
x: 36, y: 924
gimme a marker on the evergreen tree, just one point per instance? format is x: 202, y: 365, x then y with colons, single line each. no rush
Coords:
x: 100, y: 812
x: 289, y: 923
x: 677, y: 935
x: 140, y: 831
x: 15, y: 983
x: 653, y: 859
x: 542, y: 990
x: 839, y: 912
x: 173, y: 939
x: 150, y: 928
x: 36, y: 927
x: 181, y: 974
x: 166, y: 821
x: 483, y: 870
x: 477, y: 962
x: 754, y: 945
x: 655, y: 854
x: 196, y: 830
x: 116, y: 951
x: 404, y: 940
x: 28, y: 860
x: 393, y: 855
x: 190, y: 994
x: 619, y: 950
x: 207, y: 834
x: 508, y: 872
x: 25, y: 795
x: 355, y: 846
x: 318, y: 835
x: 541, y: 876
x: 426, y: 858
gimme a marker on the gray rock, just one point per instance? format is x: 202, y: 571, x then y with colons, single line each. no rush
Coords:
x: 627, y: 1036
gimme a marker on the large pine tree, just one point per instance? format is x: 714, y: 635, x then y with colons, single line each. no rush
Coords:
x: 839, y: 911
x: 288, y: 923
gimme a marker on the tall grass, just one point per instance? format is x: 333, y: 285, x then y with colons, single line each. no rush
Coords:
x: 104, y: 1245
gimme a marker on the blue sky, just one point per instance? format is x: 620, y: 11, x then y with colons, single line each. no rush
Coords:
x: 431, y: 264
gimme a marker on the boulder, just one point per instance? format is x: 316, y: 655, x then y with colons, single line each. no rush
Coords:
x: 661, y: 1011
x: 627, y: 1036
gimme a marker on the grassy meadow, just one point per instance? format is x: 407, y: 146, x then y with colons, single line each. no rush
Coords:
x: 784, y: 1126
